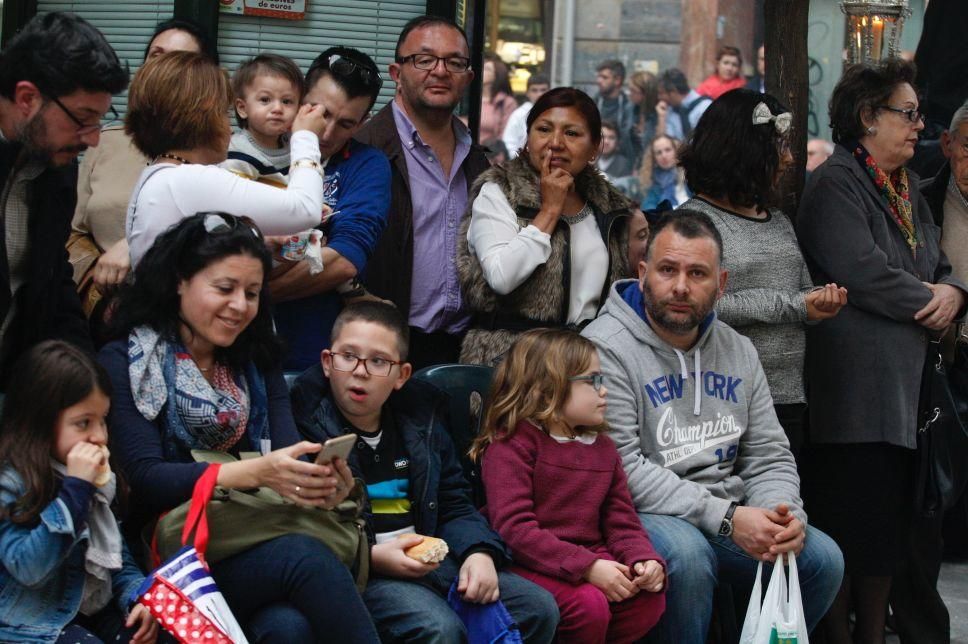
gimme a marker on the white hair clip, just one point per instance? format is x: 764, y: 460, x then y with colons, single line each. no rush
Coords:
x: 762, y: 114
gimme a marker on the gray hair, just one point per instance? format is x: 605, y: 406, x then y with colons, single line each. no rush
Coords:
x: 959, y: 117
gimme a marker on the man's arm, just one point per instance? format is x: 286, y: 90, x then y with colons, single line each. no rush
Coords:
x: 295, y: 282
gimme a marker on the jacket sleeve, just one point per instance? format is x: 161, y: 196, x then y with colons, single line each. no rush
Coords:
x: 32, y: 554
x: 765, y: 305
x: 654, y: 489
x: 136, y: 442
x: 364, y: 202
x: 835, y: 234
x: 282, y: 426
x: 126, y: 582
x: 625, y: 537
x: 459, y: 523
x: 764, y: 461
x: 507, y: 472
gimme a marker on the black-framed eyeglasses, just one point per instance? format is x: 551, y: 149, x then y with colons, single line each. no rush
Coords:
x: 220, y: 222
x: 344, y: 66
x: 911, y: 115
x: 428, y: 62
x: 82, y: 127
x: 596, y: 380
x: 374, y: 366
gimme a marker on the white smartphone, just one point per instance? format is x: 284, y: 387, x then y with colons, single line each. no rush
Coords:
x: 339, y: 447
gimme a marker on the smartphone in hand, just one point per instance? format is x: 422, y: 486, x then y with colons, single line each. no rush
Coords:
x: 339, y: 447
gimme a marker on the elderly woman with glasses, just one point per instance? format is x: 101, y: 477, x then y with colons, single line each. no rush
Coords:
x: 177, y: 117
x: 863, y: 224
x: 196, y: 368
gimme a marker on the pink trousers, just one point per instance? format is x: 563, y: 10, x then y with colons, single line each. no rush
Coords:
x: 587, y: 617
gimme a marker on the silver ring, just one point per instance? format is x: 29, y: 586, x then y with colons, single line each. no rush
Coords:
x: 297, y: 489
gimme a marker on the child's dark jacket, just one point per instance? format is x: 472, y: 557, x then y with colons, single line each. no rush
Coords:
x: 440, y: 496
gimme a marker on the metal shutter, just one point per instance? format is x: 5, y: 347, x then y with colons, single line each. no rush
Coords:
x: 372, y: 26
x: 127, y: 26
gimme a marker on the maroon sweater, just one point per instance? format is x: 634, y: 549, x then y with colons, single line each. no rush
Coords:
x: 559, y: 506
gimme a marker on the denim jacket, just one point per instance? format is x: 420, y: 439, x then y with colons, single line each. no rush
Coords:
x: 42, y: 574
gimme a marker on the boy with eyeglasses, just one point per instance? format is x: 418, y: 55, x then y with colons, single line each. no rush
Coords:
x: 415, y: 484
x: 346, y: 82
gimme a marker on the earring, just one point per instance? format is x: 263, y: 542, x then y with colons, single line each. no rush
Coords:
x: 872, y: 130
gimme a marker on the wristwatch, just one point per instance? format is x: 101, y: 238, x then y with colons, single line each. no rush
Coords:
x: 726, y: 527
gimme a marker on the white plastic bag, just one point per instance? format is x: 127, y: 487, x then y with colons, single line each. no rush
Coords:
x: 778, y: 618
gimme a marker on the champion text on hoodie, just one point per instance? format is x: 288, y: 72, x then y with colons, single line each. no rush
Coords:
x: 691, y: 445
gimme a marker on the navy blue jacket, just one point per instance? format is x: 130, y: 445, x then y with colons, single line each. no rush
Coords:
x: 440, y: 496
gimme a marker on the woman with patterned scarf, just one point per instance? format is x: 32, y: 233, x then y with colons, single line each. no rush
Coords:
x: 197, y: 367
x: 863, y: 224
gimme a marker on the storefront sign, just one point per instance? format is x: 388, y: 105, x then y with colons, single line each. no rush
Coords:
x: 285, y: 9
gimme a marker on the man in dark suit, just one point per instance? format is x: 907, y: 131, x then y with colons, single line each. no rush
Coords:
x: 57, y: 77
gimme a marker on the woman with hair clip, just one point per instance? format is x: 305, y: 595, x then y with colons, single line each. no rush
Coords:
x: 196, y: 366
x: 734, y: 160
x: 547, y: 233
x: 177, y: 117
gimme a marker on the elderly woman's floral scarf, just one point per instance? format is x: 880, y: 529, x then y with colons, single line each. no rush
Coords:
x: 895, y: 189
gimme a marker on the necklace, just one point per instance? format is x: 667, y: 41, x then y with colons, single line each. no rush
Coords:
x: 173, y: 157
x: 579, y: 216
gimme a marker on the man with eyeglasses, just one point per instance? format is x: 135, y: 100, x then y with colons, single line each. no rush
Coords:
x: 434, y: 163
x: 920, y: 614
x: 346, y: 82
x: 57, y: 77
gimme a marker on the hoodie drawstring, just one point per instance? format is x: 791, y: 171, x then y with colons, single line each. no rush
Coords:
x: 697, y: 394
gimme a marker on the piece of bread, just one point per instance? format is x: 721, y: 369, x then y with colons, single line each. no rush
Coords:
x: 104, y: 472
x: 430, y: 550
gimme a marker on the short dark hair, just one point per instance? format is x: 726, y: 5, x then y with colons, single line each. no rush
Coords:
x: 177, y: 102
x: 51, y: 376
x: 862, y: 90
x: 673, y: 79
x: 728, y: 156
x: 569, y: 97
x: 610, y: 125
x: 427, y: 21
x: 729, y: 50
x: 688, y: 223
x: 363, y: 80
x: 538, y: 79
x: 190, y: 27
x: 61, y: 53
x: 615, y: 66
x: 270, y: 65
x: 377, y: 312
x: 151, y: 298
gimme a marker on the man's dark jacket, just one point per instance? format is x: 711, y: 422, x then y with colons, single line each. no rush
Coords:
x: 440, y: 496
x: 389, y: 273
x: 47, y: 303
x: 935, y: 190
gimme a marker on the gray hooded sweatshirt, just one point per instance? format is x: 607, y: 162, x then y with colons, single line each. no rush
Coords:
x: 690, y: 450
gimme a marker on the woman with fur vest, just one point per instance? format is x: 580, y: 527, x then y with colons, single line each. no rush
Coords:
x: 547, y: 233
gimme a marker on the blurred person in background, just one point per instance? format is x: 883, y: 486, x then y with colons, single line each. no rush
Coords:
x: 660, y: 176
x: 516, y: 131
x: 497, y: 99
x: 728, y: 74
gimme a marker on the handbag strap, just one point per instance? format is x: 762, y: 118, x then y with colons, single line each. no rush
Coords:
x: 197, y: 518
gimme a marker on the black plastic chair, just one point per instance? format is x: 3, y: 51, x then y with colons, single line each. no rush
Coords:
x: 461, y: 382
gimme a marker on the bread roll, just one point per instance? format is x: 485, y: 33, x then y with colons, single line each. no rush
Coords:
x: 104, y: 472
x: 430, y: 550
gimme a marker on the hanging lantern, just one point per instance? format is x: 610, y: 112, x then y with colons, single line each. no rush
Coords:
x: 873, y: 29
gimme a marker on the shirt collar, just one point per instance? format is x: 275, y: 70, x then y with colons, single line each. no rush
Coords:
x: 410, y: 137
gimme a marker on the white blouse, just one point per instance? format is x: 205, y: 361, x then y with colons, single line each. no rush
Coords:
x: 509, y: 254
x: 168, y: 193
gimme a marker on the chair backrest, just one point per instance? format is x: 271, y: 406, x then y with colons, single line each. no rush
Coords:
x: 461, y: 382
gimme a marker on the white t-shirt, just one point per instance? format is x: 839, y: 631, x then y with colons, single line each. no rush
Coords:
x: 509, y: 254
x: 167, y: 193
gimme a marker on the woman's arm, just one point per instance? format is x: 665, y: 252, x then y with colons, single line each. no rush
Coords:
x: 508, y: 253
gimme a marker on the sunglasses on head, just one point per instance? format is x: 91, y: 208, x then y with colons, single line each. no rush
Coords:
x: 345, y: 67
x: 220, y: 222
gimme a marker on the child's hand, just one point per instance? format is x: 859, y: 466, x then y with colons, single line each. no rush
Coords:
x: 649, y: 576
x: 389, y: 559
x: 147, y: 631
x: 612, y: 578
x: 84, y: 461
x: 312, y: 118
x: 477, y: 581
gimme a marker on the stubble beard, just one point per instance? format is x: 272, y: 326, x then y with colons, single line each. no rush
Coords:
x: 658, y: 313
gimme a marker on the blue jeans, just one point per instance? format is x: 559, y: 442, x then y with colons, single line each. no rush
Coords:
x: 294, y: 589
x: 417, y: 610
x: 695, y: 563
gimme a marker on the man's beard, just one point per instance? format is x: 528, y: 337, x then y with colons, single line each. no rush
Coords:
x: 680, y: 326
x: 33, y: 138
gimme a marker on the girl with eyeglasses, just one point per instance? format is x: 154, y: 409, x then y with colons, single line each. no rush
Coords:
x: 196, y: 366
x: 557, y: 493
